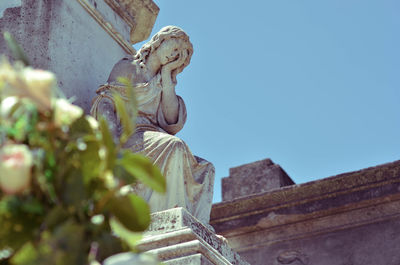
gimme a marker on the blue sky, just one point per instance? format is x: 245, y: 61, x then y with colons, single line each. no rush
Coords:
x: 313, y: 85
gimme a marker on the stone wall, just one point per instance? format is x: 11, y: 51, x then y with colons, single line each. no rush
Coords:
x: 79, y: 40
x: 349, y: 219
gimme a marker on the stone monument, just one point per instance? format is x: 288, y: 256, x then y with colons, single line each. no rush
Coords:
x: 67, y: 37
x: 179, y: 232
x: 161, y: 114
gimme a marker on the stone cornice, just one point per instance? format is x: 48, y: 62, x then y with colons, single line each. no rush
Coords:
x: 107, y: 26
x: 140, y: 15
x: 275, y: 228
x: 310, y: 200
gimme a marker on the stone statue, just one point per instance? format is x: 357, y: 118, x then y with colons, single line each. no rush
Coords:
x: 161, y: 114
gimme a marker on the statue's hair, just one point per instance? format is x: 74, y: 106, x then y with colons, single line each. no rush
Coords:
x: 166, y: 33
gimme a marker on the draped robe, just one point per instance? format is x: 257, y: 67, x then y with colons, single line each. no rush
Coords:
x: 190, y: 179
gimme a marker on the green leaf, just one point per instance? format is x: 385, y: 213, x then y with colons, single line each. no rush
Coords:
x: 57, y: 215
x: 143, y: 169
x: 132, y: 100
x: 131, y: 211
x: 26, y: 255
x: 33, y: 206
x: 108, y: 143
x: 80, y: 127
x: 91, y: 163
x: 16, y: 225
x: 125, y: 118
x: 16, y: 50
x: 120, y: 173
x: 73, y: 191
x: 65, y: 245
x: 129, y: 237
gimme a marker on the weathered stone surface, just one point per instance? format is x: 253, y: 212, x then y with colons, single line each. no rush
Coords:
x: 196, y: 259
x: 161, y: 114
x: 176, y: 237
x: 352, y: 218
x: 78, y: 40
x: 139, y: 14
x: 256, y: 177
x: 8, y: 4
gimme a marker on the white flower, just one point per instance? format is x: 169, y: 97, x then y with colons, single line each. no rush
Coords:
x: 40, y: 84
x: 15, y: 168
x: 34, y: 84
x: 6, y: 105
x: 8, y: 74
x: 66, y: 113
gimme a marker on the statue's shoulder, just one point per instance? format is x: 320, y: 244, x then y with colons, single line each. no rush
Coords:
x: 126, y: 67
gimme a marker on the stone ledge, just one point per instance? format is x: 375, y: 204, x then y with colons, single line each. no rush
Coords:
x: 195, y: 259
x: 313, y: 196
x: 279, y: 228
x: 176, y: 234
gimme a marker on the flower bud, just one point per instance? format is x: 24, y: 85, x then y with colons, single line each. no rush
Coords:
x: 92, y: 122
x: 6, y: 106
x: 66, y: 113
x: 40, y: 84
x: 8, y: 74
x: 15, y: 168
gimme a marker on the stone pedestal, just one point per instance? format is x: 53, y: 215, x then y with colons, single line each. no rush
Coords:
x: 176, y: 237
x: 78, y: 40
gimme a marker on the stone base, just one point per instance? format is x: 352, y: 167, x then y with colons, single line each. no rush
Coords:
x: 176, y: 237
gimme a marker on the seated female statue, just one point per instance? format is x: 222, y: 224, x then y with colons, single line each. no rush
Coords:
x: 161, y: 114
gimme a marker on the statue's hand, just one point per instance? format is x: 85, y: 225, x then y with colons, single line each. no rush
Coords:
x: 175, y: 63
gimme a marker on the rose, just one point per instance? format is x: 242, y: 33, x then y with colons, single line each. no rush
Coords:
x: 15, y: 168
x: 65, y: 113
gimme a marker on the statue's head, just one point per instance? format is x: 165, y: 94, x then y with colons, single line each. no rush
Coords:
x: 166, y: 33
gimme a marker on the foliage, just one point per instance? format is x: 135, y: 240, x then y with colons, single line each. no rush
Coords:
x: 61, y: 175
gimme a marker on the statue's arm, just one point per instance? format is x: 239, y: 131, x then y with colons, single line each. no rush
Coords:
x: 169, y: 100
x: 178, y: 125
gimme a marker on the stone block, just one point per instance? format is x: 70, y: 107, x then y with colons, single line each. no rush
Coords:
x: 176, y: 237
x: 253, y: 178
